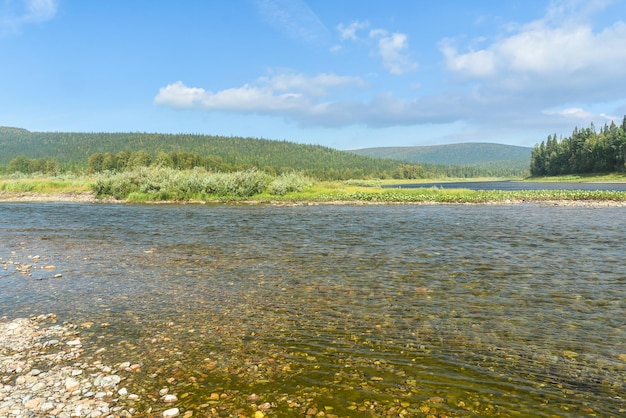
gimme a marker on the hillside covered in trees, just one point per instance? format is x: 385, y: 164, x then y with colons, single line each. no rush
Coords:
x: 490, y: 159
x: 54, y: 152
x: 73, y: 151
x: 585, y: 151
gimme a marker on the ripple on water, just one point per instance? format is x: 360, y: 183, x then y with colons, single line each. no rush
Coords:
x: 430, y: 310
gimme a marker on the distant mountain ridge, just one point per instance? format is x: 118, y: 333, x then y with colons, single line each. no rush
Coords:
x: 466, y: 154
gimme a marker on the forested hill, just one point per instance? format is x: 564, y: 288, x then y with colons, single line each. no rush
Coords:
x: 72, y: 150
x: 454, y: 154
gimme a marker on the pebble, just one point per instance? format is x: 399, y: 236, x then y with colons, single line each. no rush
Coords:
x: 171, y: 413
x: 66, y: 388
x: 170, y: 398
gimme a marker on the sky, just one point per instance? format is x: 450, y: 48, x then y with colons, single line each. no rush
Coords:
x: 346, y: 74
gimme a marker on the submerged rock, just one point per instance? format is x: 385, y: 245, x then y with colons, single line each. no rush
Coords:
x: 58, y: 389
x: 171, y: 413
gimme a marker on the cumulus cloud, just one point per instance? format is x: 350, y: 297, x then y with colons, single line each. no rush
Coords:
x: 393, y: 48
x: 17, y: 13
x: 537, y: 76
x: 561, y: 61
x: 349, y: 31
x: 305, y: 100
x: 243, y: 99
x: 289, y: 94
x: 560, y: 52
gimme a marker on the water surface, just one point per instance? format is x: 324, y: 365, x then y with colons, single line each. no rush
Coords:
x: 518, y: 185
x: 347, y: 310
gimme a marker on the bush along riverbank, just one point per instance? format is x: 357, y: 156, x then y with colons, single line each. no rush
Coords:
x: 151, y: 184
x: 163, y: 184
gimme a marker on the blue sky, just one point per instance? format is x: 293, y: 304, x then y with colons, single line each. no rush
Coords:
x: 346, y: 74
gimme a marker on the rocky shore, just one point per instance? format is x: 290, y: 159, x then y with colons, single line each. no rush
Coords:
x: 85, y: 197
x: 43, y: 373
x: 88, y: 197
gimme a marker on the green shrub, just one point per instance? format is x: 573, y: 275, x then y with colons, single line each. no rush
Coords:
x: 170, y: 184
x: 289, y: 182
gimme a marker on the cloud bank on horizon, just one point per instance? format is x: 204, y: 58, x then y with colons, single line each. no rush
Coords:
x: 362, y: 74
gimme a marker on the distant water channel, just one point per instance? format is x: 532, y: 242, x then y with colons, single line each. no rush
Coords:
x: 518, y: 185
x: 342, y: 310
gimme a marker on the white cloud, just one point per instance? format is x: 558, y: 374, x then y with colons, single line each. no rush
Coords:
x: 295, y: 19
x: 349, y: 32
x: 16, y: 13
x: 393, y: 48
x: 541, y: 76
x: 40, y: 10
x: 582, y: 116
x: 557, y: 53
x: 336, y: 49
x: 296, y: 94
x: 478, y: 64
x: 243, y: 99
x: 546, y: 74
x: 303, y: 99
x: 572, y: 112
x: 314, y: 86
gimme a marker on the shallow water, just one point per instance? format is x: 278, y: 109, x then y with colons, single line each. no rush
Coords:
x: 346, y: 310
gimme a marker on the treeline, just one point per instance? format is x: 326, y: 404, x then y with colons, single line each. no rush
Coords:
x: 21, y: 164
x: 585, y: 151
x: 128, y: 160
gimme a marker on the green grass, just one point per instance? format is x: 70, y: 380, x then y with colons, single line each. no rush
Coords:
x: 341, y: 192
x: 45, y: 185
x: 590, y: 178
x: 151, y: 184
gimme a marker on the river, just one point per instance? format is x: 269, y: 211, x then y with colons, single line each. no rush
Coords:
x: 518, y: 185
x: 341, y: 310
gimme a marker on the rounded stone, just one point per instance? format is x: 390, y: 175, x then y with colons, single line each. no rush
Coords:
x: 170, y: 398
x: 171, y: 413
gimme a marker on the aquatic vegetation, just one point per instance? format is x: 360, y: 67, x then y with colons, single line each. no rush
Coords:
x: 434, y: 195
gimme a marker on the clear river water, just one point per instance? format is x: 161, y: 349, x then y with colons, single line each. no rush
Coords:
x: 399, y: 310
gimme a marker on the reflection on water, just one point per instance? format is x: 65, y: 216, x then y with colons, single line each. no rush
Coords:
x: 345, y: 310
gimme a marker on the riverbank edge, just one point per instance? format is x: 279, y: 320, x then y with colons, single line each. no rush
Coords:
x: 89, y: 197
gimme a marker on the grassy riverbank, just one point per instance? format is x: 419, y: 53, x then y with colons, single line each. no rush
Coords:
x: 583, y: 178
x: 46, y: 185
x: 152, y: 185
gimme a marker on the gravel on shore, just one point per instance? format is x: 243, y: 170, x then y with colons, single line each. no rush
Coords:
x: 42, y: 373
x: 85, y: 197
x: 89, y: 197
